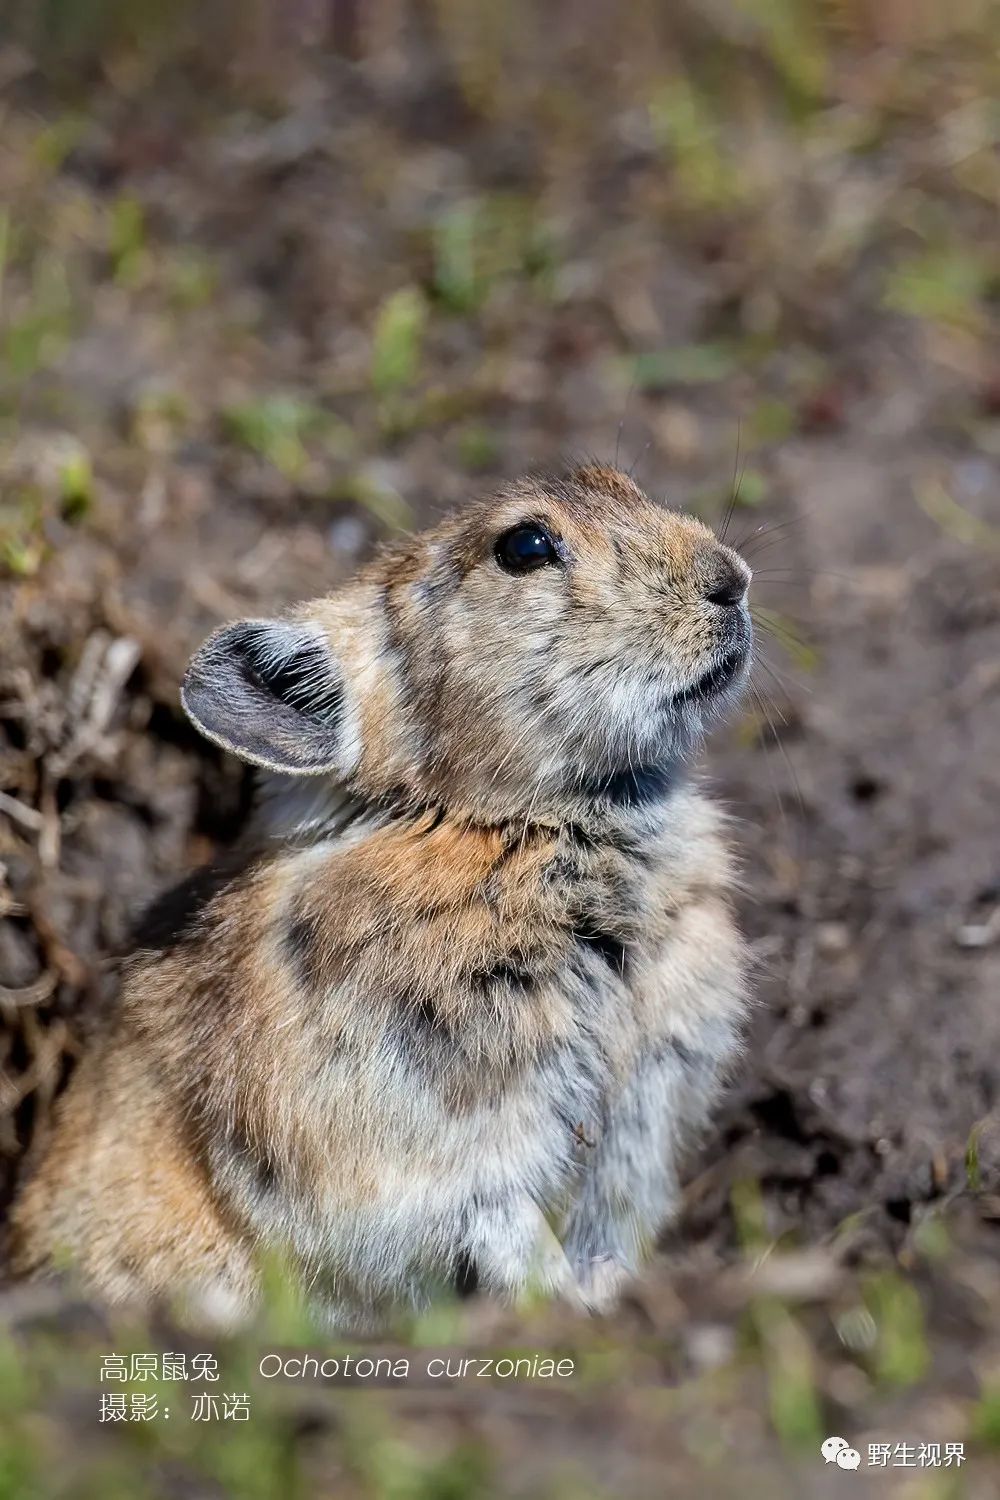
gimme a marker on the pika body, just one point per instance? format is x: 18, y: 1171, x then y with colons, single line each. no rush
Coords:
x: 472, y: 979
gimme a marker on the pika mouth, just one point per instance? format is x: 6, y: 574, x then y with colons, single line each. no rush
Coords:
x: 718, y: 677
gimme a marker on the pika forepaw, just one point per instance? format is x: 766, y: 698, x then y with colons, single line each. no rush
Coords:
x: 601, y: 1281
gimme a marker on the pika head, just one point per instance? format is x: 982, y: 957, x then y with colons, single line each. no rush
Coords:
x: 553, y: 639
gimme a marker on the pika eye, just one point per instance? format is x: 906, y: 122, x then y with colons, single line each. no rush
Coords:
x: 525, y: 548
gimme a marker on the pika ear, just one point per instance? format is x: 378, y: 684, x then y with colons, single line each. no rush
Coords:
x: 271, y: 692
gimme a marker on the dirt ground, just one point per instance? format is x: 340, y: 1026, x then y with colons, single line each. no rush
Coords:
x: 249, y: 328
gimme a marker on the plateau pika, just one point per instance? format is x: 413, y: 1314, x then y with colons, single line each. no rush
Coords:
x: 473, y: 979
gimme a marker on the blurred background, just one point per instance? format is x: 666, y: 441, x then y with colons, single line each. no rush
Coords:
x: 280, y: 278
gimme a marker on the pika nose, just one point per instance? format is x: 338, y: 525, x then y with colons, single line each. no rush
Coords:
x: 730, y: 582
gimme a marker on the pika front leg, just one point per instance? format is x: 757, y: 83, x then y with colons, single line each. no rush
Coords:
x: 629, y: 1190
x: 514, y: 1251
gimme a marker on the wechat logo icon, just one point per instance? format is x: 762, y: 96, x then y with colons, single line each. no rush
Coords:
x: 837, y: 1450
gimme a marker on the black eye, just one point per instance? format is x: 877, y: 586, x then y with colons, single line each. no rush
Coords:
x: 525, y: 548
